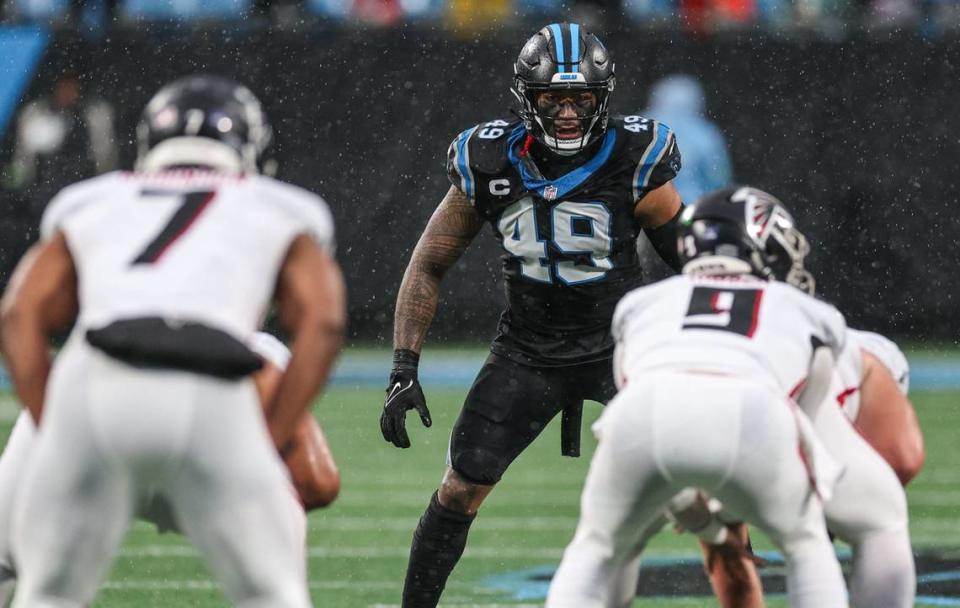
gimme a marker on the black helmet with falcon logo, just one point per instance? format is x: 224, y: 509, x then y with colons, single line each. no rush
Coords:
x: 744, y: 230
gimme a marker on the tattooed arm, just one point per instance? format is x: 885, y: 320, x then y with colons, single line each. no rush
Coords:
x: 449, y: 232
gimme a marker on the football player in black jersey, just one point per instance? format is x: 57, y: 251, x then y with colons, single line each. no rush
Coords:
x: 567, y: 190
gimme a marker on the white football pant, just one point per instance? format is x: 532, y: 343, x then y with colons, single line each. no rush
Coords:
x: 110, y: 435
x: 737, y: 440
x: 13, y: 461
x: 868, y: 510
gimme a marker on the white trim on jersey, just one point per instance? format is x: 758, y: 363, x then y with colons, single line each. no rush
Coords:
x: 193, y: 151
x: 643, y: 165
x: 271, y: 349
x: 461, y: 163
x: 887, y: 352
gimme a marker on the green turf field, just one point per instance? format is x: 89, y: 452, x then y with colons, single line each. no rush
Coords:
x: 358, y: 547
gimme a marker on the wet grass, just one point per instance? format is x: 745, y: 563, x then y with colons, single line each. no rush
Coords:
x: 358, y: 546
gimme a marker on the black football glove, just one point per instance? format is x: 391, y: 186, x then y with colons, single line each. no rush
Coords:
x: 403, y: 393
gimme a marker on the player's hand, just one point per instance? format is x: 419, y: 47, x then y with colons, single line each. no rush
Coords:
x: 403, y: 394
x: 734, y: 550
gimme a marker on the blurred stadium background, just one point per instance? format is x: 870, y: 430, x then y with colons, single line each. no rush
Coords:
x: 844, y: 108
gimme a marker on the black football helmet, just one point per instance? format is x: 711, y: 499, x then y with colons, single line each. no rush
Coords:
x: 744, y: 230
x: 563, y: 57
x: 203, y: 120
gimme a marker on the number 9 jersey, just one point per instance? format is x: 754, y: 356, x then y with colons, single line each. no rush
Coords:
x: 569, y: 238
x: 735, y: 325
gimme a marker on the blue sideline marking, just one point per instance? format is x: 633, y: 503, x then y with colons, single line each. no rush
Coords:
x: 532, y: 584
x: 21, y: 48
x: 457, y: 369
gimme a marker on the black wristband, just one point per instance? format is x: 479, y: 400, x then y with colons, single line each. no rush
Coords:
x: 405, y: 360
x: 664, y: 241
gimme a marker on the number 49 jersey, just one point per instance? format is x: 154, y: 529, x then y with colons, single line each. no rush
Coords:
x: 763, y: 331
x: 569, y: 243
x: 184, y: 244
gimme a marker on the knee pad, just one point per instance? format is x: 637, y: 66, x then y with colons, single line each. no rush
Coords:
x: 479, y: 465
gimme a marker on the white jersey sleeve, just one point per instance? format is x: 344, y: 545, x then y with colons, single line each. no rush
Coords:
x: 307, y: 209
x: 271, y: 349
x: 831, y: 325
x: 887, y: 352
x: 72, y: 199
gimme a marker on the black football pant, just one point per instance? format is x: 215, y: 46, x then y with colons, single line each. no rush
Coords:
x: 508, y: 406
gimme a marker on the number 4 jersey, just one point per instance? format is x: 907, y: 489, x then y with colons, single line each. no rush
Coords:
x: 569, y: 238
x: 739, y: 325
x: 186, y: 244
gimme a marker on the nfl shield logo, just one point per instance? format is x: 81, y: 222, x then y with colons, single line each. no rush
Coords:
x: 550, y: 193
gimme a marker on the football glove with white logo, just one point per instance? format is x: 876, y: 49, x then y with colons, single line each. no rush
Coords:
x: 403, y: 393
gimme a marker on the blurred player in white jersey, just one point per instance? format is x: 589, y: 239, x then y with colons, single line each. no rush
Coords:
x: 167, y: 273
x: 310, y: 464
x: 705, y: 362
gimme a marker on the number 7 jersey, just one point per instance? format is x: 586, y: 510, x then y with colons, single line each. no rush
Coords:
x: 569, y: 243
x: 184, y: 244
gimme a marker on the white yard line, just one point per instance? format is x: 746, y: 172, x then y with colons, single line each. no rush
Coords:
x: 934, y: 498
x: 323, y: 585
x: 209, y: 585
x: 534, y: 496
x: 407, y: 524
x: 515, y: 482
x: 183, y: 551
x: 471, y: 604
x: 943, y: 475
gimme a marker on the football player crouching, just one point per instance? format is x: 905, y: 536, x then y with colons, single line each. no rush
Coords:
x: 152, y: 393
x: 705, y: 364
x: 867, y: 422
x: 310, y: 464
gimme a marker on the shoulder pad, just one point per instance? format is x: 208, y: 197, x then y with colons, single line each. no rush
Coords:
x: 477, y: 152
x: 73, y: 198
x: 651, y: 149
x: 638, y: 298
x: 303, y: 206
